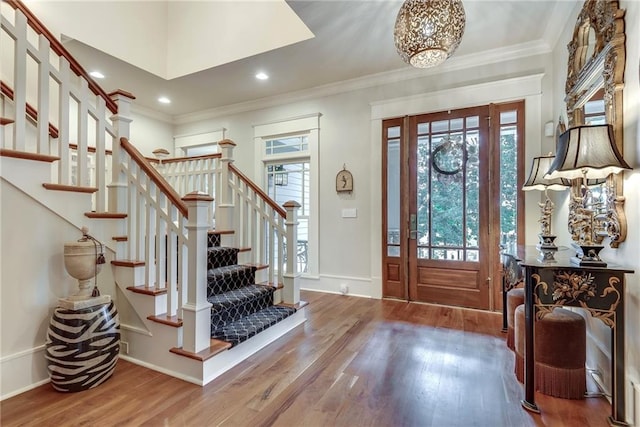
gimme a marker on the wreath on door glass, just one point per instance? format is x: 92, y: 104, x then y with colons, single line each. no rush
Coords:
x: 448, y: 159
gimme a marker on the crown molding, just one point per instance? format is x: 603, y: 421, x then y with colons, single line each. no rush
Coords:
x: 492, y: 56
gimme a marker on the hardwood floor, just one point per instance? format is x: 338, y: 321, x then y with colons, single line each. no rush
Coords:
x: 355, y: 362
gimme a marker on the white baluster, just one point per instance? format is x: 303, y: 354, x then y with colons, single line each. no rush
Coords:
x: 43, y: 95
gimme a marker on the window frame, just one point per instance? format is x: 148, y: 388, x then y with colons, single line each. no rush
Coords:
x: 298, y: 126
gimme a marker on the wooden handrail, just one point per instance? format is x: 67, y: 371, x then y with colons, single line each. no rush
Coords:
x: 258, y: 190
x: 60, y: 50
x: 155, y: 176
x: 202, y: 157
x: 184, y: 159
x: 31, y: 111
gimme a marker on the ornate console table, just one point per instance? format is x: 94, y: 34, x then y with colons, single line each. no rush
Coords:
x: 555, y: 282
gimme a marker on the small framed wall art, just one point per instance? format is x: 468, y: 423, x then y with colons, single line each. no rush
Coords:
x: 344, y: 180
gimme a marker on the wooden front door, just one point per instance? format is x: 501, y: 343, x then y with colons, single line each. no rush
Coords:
x: 440, y: 242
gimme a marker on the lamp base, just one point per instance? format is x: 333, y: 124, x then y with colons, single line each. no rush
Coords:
x: 546, y: 242
x: 547, y: 255
x: 588, y: 256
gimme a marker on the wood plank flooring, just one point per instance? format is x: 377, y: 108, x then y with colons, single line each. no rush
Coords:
x: 355, y: 362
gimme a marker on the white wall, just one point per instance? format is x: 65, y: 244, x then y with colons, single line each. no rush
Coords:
x: 599, y: 348
x: 627, y: 254
x: 149, y: 133
x: 350, y: 248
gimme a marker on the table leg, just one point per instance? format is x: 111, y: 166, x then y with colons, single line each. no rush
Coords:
x: 617, y: 369
x: 505, y: 324
x: 529, y: 383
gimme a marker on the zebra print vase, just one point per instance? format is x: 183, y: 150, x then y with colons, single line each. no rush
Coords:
x: 82, y: 347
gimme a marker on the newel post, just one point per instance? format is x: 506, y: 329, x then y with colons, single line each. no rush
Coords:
x: 224, y: 200
x: 121, y: 123
x: 291, y: 290
x: 196, y: 310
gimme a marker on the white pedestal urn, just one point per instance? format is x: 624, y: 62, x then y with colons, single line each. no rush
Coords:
x: 83, y: 339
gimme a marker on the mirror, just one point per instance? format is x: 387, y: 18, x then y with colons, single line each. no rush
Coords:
x: 595, y: 78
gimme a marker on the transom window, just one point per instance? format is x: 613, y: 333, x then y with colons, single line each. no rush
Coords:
x: 293, y: 144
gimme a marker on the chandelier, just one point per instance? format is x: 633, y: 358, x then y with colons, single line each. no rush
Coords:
x: 427, y: 32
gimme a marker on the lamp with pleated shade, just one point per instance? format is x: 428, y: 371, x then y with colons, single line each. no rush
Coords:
x: 537, y: 181
x: 587, y: 152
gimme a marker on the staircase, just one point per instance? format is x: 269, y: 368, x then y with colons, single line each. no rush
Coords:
x: 193, y: 301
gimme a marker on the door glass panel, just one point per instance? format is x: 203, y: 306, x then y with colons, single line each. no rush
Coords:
x: 508, y: 178
x: 393, y: 191
x: 447, y: 190
x: 472, y: 194
x: 423, y: 190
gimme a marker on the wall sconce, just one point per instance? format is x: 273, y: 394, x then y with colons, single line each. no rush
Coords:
x: 537, y: 181
x: 280, y: 176
x: 549, y: 129
x: 589, y: 152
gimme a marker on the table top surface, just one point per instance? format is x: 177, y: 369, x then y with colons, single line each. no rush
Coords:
x: 531, y: 256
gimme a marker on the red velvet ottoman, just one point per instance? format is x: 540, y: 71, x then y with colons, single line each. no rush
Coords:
x: 560, y: 353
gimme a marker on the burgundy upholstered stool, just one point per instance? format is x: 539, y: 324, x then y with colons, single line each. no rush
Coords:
x: 560, y: 353
x: 515, y: 297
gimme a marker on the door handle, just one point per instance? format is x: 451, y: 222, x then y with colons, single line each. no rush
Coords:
x: 413, y: 227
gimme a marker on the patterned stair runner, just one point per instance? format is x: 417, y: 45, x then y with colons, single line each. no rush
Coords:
x: 248, y: 326
x: 233, y: 305
x: 221, y: 257
x: 240, y: 308
x: 228, y: 278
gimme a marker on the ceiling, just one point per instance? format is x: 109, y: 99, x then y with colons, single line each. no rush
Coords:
x: 351, y: 39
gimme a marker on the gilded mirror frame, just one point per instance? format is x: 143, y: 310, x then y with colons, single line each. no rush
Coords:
x: 592, y: 66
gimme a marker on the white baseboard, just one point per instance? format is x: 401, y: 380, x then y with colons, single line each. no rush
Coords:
x: 23, y: 371
x: 356, y: 286
x: 171, y: 373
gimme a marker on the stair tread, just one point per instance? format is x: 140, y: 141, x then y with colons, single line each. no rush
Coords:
x: 221, y: 249
x: 247, y: 327
x: 105, y: 215
x: 4, y: 152
x: 228, y: 268
x: 221, y: 232
x: 238, y: 295
x: 223, y: 279
x: 257, y: 265
x: 174, y: 321
x: 219, y: 256
x: 215, y: 347
x: 147, y: 290
x: 70, y: 188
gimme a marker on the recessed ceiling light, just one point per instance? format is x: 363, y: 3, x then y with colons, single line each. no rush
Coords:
x: 97, y: 74
x: 262, y: 76
x: 164, y: 100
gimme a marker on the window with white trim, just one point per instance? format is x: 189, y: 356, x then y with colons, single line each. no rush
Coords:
x: 287, y: 154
